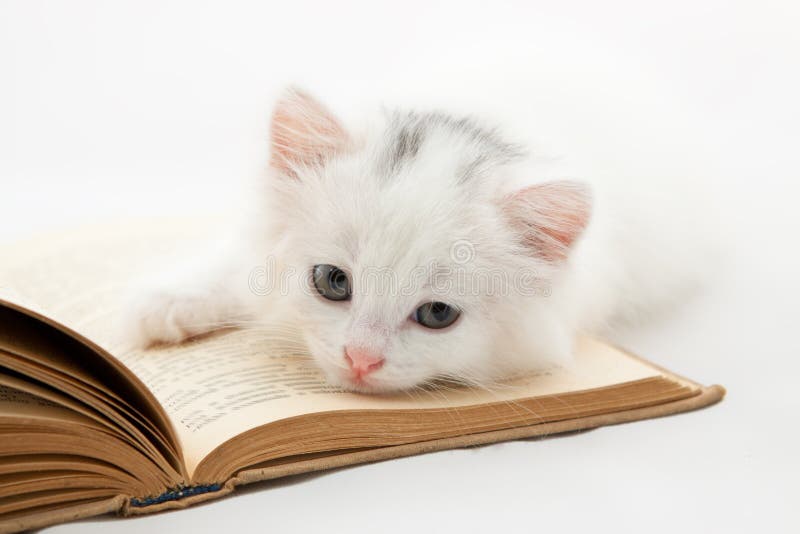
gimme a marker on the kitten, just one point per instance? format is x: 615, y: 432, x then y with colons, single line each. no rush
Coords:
x: 423, y: 246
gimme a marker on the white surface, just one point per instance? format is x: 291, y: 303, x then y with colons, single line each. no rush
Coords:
x: 111, y: 108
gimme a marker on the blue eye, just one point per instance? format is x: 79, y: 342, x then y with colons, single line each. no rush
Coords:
x: 435, y: 315
x: 331, y: 282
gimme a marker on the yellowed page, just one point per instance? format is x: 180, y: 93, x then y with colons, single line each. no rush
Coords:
x: 221, y: 386
x: 27, y: 408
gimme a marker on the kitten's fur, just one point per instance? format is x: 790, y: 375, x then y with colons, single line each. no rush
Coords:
x: 440, y: 208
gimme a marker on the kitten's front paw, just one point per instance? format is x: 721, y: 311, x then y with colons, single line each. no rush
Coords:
x: 165, y: 317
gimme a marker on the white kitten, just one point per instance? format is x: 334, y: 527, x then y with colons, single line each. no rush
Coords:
x: 425, y: 245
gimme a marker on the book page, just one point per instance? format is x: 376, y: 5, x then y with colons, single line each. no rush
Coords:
x: 217, y: 388
x: 224, y: 384
x: 17, y: 406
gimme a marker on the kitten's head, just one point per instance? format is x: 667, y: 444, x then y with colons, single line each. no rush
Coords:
x: 419, y: 262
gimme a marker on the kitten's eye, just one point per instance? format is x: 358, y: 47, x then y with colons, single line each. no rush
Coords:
x: 435, y: 315
x: 331, y: 282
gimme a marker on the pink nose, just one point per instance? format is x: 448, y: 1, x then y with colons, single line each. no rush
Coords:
x: 362, y: 361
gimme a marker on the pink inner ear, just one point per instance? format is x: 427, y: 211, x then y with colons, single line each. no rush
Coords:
x: 549, y: 216
x: 303, y: 132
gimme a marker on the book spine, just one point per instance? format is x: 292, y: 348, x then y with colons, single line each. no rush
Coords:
x: 174, y: 494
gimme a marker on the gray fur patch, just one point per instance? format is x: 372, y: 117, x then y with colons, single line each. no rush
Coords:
x: 408, y: 131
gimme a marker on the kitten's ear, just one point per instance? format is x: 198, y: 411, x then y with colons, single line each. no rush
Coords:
x: 549, y: 217
x: 303, y: 132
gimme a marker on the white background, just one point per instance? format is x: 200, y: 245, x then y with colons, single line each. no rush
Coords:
x: 138, y: 108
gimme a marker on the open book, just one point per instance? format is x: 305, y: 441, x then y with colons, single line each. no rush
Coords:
x: 89, y: 426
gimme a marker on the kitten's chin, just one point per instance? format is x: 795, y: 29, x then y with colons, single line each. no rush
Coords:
x: 372, y: 385
x: 370, y: 388
x: 369, y: 385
